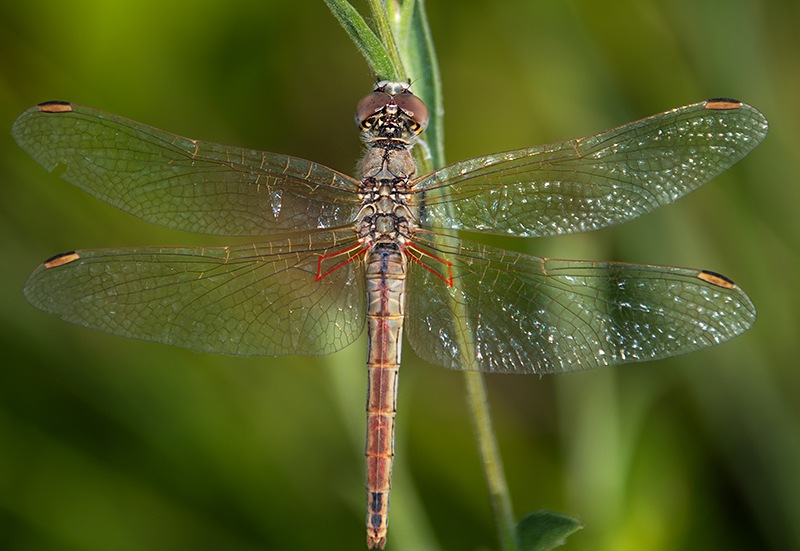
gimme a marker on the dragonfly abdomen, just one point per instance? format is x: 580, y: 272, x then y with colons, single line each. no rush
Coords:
x: 386, y: 281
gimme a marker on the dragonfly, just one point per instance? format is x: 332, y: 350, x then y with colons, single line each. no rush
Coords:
x: 334, y: 253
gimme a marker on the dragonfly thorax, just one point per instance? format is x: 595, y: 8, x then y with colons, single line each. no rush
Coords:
x: 390, y: 118
x: 385, y: 214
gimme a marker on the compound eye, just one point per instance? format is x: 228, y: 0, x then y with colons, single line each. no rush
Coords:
x: 371, y: 104
x: 413, y: 107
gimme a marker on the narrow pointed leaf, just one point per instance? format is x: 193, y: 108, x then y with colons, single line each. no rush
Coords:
x: 363, y: 37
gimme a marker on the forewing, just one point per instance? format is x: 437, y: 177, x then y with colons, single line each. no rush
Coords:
x: 182, y: 183
x: 514, y: 313
x: 259, y: 299
x: 590, y: 183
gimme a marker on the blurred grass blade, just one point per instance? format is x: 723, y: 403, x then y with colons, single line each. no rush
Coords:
x: 543, y: 530
x: 362, y: 36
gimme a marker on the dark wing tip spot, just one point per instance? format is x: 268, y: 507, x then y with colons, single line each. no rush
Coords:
x: 723, y: 104
x: 55, y: 107
x: 716, y: 279
x: 61, y: 259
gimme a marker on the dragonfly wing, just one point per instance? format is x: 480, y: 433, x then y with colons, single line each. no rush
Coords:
x: 514, y: 313
x: 182, y: 183
x: 593, y: 182
x: 259, y: 299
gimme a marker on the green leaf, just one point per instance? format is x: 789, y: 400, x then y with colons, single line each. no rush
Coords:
x: 543, y: 530
x: 418, y: 54
x: 363, y: 37
x: 386, y: 32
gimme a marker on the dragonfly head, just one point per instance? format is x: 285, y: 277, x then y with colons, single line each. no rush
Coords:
x: 391, y: 112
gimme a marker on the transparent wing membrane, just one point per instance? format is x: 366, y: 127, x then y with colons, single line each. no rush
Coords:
x: 259, y: 299
x: 514, y: 313
x: 184, y: 184
x: 594, y: 182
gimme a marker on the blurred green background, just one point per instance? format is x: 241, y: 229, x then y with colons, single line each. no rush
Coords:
x: 111, y: 444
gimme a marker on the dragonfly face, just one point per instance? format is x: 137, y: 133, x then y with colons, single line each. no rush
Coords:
x: 391, y: 112
x: 334, y: 254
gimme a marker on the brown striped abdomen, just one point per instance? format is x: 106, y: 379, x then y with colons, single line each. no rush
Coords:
x: 386, y: 280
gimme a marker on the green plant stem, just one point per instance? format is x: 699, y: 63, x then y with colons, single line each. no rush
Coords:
x: 477, y: 399
x: 419, y: 56
x: 386, y: 34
